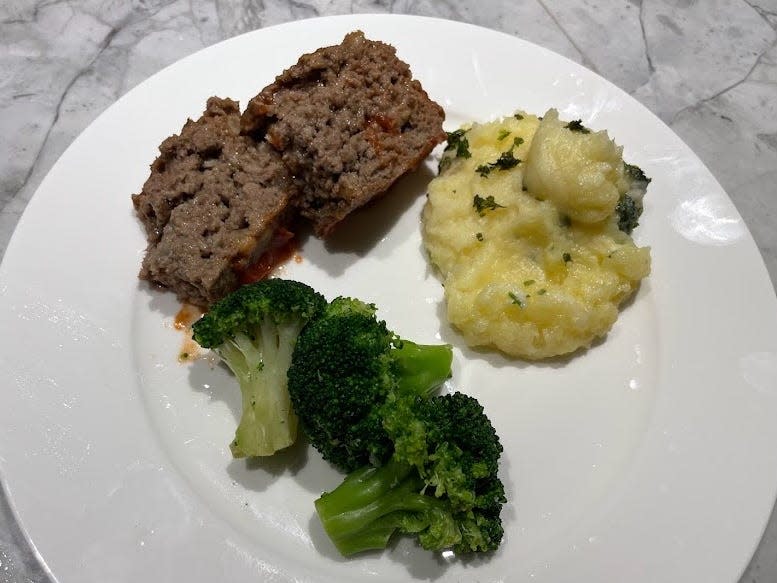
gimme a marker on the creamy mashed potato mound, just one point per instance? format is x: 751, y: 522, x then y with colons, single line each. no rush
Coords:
x: 523, y: 226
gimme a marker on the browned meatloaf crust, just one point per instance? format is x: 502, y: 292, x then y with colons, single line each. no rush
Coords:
x: 349, y: 120
x: 211, y: 205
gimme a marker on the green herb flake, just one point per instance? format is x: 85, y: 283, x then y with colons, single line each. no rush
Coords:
x: 577, y: 126
x: 529, y: 282
x: 484, y: 170
x: 542, y: 292
x: 515, y: 299
x: 479, y: 237
x: 518, y: 116
x: 505, y: 161
x: 462, y: 150
x: 566, y: 257
x: 502, y: 134
x: 517, y: 141
x: 485, y: 204
x: 458, y: 143
x: 564, y: 220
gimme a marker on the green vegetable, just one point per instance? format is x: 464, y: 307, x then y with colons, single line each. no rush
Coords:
x: 629, y: 206
x: 566, y: 257
x: 344, y: 366
x: 479, y: 236
x: 457, y: 147
x: 577, y: 126
x: 457, y: 142
x: 635, y: 173
x: 505, y: 161
x: 515, y: 299
x: 502, y: 134
x: 628, y: 213
x: 419, y: 465
x: 518, y: 116
x: 485, y: 204
x: 254, y: 331
x: 440, y: 484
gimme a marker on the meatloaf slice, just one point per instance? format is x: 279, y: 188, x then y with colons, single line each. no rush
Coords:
x: 211, y: 206
x: 349, y: 120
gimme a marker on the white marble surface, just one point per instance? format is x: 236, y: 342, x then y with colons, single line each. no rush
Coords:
x: 708, y: 68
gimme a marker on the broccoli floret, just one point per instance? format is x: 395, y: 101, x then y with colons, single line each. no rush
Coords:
x: 440, y: 484
x: 629, y: 207
x: 344, y: 366
x: 254, y: 331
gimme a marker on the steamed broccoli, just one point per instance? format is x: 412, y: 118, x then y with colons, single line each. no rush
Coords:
x: 254, y: 331
x: 629, y: 207
x: 419, y: 464
x: 440, y: 484
x: 344, y: 366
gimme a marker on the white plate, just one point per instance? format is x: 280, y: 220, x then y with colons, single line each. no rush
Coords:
x: 648, y: 458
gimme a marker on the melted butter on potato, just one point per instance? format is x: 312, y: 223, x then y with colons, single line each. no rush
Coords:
x: 522, y: 225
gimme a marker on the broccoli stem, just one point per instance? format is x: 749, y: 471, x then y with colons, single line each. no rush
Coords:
x: 268, y: 423
x: 371, y: 504
x: 422, y: 367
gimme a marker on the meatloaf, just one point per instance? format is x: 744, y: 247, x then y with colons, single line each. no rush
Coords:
x: 211, y: 206
x: 349, y: 120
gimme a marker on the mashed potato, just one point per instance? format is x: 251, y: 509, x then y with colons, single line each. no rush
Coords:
x: 523, y: 225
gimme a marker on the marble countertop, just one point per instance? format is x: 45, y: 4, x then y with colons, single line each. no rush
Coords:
x: 707, y: 68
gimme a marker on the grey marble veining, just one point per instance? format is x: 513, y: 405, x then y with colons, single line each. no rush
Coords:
x: 708, y: 68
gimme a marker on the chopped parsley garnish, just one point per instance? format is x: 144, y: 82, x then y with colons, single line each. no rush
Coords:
x: 479, y: 236
x: 566, y: 257
x: 528, y: 282
x: 577, y: 126
x: 457, y: 142
x: 516, y: 300
x: 506, y: 161
x: 484, y: 170
x: 485, y: 204
x: 502, y: 134
x: 517, y: 141
x: 542, y: 292
x: 518, y: 116
x: 564, y: 220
